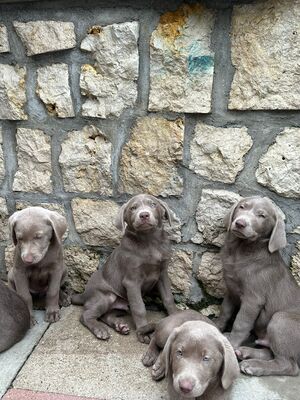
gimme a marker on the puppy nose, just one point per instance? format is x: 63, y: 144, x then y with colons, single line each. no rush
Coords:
x: 240, y: 223
x: 28, y: 258
x: 144, y: 216
x: 186, y: 385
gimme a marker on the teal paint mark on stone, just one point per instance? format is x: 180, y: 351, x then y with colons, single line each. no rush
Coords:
x: 198, y: 64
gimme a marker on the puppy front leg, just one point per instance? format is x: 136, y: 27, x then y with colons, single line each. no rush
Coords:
x: 164, y: 287
x: 52, y: 297
x: 21, y: 285
x: 244, y: 321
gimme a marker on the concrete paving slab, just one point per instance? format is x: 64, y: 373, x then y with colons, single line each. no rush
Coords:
x: 70, y: 360
x: 12, y: 360
x: 19, y: 394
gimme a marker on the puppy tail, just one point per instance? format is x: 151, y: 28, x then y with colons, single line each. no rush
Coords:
x: 149, y: 328
x: 77, y: 299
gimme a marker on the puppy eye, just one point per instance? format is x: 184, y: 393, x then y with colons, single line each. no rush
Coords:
x: 206, y: 358
x: 153, y: 205
x: 179, y: 353
x: 133, y: 208
x: 242, y: 206
x: 38, y: 237
x: 262, y: 216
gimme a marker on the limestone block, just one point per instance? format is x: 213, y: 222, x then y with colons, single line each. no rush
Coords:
x: 210, y: 273
x: 211, y: 210
x: 4, y: 43
x: 4, y: 232
x: 180, y: 272
x: 149, y: 160
x: 181, y: 61
x: 9, y: 256
x: 85, y: 161
x: 110, y: 85
x: 217, y: 153
x: 34, y: 161
x: 54, y: 90
x: 94, y: 221
x: 43, y: 36
x: 212, y: 310
x: 2, y: 169
x: 279, y: 167
x: 80, y: 263
x: 295, y: 263
x: 12, y: 92
x: 265, y: 51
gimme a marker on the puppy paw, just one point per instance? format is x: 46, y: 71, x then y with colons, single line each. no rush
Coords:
x: 251, y: 367
x: 101, y: 334
x: 52, y: 315
x: 158, y: 371
x: 243, y: 353
x: 149, y: 358
x: 122, y: 328
x: 142, y: 337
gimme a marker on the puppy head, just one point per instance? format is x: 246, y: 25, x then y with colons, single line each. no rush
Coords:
x: 142, y: 213
x: 257, y: 217
x: 33, y: 230
x: 196, y: 355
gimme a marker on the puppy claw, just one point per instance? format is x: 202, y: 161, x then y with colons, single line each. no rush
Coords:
x: 248, y: 368
x: 122, y: 328
x: 52, y: 316
x: 101, y: 334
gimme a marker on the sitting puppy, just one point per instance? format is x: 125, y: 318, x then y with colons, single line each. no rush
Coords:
x: 38, y: 259
x: 197, y: 359
x: 135, y: 267
x: 14, y: 317
x: 261, y: 288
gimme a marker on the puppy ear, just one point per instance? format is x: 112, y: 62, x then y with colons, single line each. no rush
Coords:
x: 228, y: 217
x: 11, y: 224
x: 58, y: 223
x: 169, y: 215
x: 278, y: 237
x: 120, y: 218
x: 165, y: 356
x: 230, y: 364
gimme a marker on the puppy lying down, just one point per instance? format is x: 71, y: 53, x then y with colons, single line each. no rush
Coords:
x: 197, y: 359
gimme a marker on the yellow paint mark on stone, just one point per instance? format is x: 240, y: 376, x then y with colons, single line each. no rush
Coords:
x: 88, y: 68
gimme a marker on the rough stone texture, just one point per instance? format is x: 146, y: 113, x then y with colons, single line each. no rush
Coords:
x: 110, y: 84
x: 265, y: 51
x: 174, y: 230
x: 85, y: 161
x: 211, y: 210
x: 295, y: 263
x: 9, y: 256
x: 2, y: 169
x: 180, y: 272
x: 80, y: 263
x: 279, y: 167
x: 150, y: 158
x: 210, y: 273
x: 217, y: 153
x: 4, y: 43
x: 212, y: 310
x: 181, y: 61
x: 4, y: 233
x: 54, y: 90
x: 34, y: 161
x: 43, y: 36
x: 94, y: 221
x: 12, y: 92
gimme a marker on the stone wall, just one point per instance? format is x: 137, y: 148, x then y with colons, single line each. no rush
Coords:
x: 198, y: 104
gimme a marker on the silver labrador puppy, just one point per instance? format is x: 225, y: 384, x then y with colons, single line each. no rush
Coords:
x: 135, y: 267
x: 261, y: 288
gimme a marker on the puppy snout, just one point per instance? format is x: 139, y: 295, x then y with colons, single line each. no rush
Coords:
x: 28, y: 258
x: 144, y: 216
x: 240, y: 223
x: 186, y: 385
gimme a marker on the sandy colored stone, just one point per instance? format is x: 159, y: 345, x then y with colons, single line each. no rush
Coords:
x: 80, y: 263
x: 279, y: 167
x: 4, y: 43
x: 265, y: 52
x: 210, y: 273
x: 149, y: 161
x: 110, y: 84
x: 34, y: 161
x: 174, y: 230
x: 54, y: 90
x: 212, y: 310
x: 43, y: 36
x: 2, y: 168
x: 211, y: 210
x: 217, y: 153
x: 9, y: 256
x: 181, y: 61
x: 94, y: 221
x: 85, y: 161
x: 180, y: 272
x: 295, y: 263
x: 12, y: 92
x: 4, y: 231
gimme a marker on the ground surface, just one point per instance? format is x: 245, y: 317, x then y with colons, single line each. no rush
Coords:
x: 64, y: 360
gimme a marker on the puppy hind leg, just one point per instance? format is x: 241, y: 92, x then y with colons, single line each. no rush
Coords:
x: 244, y: 353
x: 111, y: 319
x: 95, y: 308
